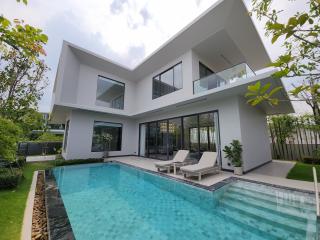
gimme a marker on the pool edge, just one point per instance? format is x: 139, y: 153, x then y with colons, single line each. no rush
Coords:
x: 59, y: 226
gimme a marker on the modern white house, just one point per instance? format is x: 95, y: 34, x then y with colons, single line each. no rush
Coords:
x: 188, y: 94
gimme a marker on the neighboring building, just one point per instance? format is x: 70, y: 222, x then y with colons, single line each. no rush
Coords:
x: 189, y: 94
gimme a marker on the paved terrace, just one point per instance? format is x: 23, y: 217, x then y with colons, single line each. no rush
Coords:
x: 274, y: 172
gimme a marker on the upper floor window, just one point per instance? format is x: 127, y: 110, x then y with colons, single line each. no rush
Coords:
x: 167, y: 81
x: 204, y: 70
x: 110, y: 93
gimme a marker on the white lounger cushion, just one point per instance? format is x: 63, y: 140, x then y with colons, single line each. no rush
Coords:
x: 208, y: 160
x: 179, y: 157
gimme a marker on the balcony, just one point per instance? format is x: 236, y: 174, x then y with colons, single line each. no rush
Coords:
x: 225, y: 77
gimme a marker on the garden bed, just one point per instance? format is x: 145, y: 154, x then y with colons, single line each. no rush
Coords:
x: 39, y: 217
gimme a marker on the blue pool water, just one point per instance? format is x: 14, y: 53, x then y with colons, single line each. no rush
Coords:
x: 113, y: 201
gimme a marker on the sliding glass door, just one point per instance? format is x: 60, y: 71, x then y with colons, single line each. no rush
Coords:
x: 174, y: 136
x: 162, y: 139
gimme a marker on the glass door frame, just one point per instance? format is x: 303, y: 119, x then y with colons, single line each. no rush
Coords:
x: 216, y: 125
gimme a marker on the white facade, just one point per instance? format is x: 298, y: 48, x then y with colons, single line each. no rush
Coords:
x: 215, y: 40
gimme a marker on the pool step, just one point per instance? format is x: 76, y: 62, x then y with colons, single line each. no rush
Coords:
x: 267, y: 217
x: 278, y: 199
x: 261, y: 228
x: 286, y: 195
x: 274, y: 205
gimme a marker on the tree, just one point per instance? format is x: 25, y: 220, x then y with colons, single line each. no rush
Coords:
x: 22, y: 80
x: 9, y: 136
x: 22, y: 71
x: 301, y: 34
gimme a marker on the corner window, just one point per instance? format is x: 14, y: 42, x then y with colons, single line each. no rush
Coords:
x: 204, y: 70
x: 167, y: 81
x: 110, y: 93
x: 103, y: 131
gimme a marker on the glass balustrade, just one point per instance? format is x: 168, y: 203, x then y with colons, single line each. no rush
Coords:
x: 225, y: 77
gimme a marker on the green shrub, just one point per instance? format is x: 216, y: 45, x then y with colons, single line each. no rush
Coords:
x: 234, y: 153
x: 49, y: 137
x: 9, y: 136
x: 311, y: 160
x: 62, y: 162
x: 10, y: 177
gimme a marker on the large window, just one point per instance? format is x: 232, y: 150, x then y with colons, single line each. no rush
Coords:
x: 196, y: 133
x: 103, y: 130
x: 110, y: 93
x: 167, y: 81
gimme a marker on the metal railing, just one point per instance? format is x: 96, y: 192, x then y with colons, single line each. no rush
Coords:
x: 315, y: 179
x: 225, y: 77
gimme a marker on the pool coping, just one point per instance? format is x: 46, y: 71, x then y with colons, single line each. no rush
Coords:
x: 59, y: 226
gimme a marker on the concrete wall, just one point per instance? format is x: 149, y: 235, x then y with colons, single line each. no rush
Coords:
x: 81, y: 131
x: 70, y: 75
x: 87, y: 88
x: 254, y: 134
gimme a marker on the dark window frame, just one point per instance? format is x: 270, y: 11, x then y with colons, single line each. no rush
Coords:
x: 207, y: 69
x: 159, y: 77
x: 111, y: 79
x: 182, y: 132
x: 120, y: 149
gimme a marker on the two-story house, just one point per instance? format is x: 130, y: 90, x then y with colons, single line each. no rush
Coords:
x: 188, y: 94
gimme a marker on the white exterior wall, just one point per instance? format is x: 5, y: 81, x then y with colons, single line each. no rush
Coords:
x: 70, y: 73
x: 81, y: 131
x: 87, y: 88
x: 254, y: 134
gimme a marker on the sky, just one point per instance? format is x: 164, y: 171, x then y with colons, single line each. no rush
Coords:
x: 125, y: 31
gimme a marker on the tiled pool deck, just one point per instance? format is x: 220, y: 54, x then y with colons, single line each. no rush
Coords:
x: 273, y: 173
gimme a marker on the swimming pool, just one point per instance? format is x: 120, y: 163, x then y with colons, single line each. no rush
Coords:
x: 114, y: 201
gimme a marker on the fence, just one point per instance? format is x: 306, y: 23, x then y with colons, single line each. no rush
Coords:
x: 293, y: 138
x: 38, y: 148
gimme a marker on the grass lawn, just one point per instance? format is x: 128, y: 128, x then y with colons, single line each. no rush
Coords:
x: 12, y: 203
x: 303, y: 171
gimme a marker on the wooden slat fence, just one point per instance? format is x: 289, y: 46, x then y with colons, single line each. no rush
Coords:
x: 293, y: 138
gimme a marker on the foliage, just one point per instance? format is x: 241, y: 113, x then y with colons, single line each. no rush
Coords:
x: 303, y: 172
x: 234, y: 153
x: 25, y: 39
x: 62, y: 162
x: 49, y: 137
x: 285, y: 124
x: 22, y: 72
x: 22, y: 81
x: 13, y: 202
x: 301, y: 35
x: 106, y: 138
x: 9, y: 136
x: 10, y: 178
x: 257, y: 94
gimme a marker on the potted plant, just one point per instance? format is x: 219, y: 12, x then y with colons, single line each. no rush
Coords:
x: 106, y: 140
x: 234, y: 154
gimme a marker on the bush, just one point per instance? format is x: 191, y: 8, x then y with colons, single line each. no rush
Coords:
x: 9, y: 137
x: 10, y: 177
x: 49, y: 137
x: 311, y: 160
x: 62, y: 162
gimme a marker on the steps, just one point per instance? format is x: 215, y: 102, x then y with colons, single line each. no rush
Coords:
x: 273, y: 212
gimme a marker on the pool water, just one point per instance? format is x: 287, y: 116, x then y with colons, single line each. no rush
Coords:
x: 114, y: 201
